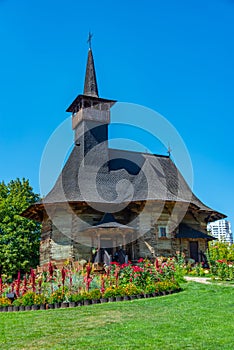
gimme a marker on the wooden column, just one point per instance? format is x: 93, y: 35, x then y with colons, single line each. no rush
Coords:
x: 99, y: 241
x: 124, y: 242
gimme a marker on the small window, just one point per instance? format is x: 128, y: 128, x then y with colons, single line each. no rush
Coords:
x: 162, y: 230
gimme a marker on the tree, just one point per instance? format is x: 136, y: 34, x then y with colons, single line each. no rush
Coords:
x: 19, y: 237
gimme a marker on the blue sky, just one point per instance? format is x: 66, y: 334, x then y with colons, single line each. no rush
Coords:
x: 175, y: 57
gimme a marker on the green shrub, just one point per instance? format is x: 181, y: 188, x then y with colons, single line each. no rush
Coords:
x: 131, y: 289
x: 119, y: 291
x: 166, y: 285
x: 4, y: 301
x: 109, y: 292
x: 77, y: 297
x: 220, y: 251
x: 40, y: 299
x: 86, y: 295
x: 95, y: 294
x: 17, y: 302
x: 151, y: 288
x: 57, y: 296
x: 28, y: 299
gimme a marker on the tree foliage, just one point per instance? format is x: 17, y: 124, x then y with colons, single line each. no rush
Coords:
x: 221, y: 251
x: 19, y: 237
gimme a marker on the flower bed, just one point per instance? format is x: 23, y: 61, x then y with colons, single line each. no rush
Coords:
x: 75, y: 287
x: 219, y: 265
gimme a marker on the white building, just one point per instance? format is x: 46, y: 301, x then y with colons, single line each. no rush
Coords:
x: 221, y: 230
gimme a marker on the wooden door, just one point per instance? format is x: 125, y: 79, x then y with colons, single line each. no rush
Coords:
x: 193, y: 245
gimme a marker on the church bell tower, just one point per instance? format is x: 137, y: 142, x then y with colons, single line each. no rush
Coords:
x: 90, y: 119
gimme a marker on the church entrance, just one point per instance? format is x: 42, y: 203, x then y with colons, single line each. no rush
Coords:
x: 193, y: 245
x: 107, y: 244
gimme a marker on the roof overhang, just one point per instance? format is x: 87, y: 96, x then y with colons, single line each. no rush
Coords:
x: 186, y: 231
x: 36, y: 210
x: 94, y: 99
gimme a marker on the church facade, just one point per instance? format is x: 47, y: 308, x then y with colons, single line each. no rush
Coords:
x: 111, y: 199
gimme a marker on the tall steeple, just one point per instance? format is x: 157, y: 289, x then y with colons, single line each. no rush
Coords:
x: 90, y: 119
x: 90, y: 85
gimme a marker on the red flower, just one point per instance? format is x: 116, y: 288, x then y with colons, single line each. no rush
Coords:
x: 124, y: 265
x: 18, y: 284
x: 63, y: 272
x: 103, y: 285
x: 88, y: 269
x: 140, y: 260
x: 156, y: 264
x: 25, y: 284
x: 88, y: 281
x: 137, y: 269
x: 32, y: 273
x: 51, y: 269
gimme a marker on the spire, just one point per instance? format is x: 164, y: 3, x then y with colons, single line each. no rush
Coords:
x: 90, y: 86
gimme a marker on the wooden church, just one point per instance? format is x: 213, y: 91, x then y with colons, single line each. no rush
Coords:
x: 114, y: 200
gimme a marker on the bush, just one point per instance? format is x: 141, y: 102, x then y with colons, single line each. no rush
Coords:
x: 151, y: 288
x: 4, y: 302
x: 40, y: 299
x: 95, y: 294
x: 220, y: 251
x: 109, y: 292
x: 132, y: 289
x: 28, y: 299
x: 75, y: 297
x: 17, y: 302
x: 166, y: 285
x: 119, y: 291
x: 86, y: 296
x: 57, y: 296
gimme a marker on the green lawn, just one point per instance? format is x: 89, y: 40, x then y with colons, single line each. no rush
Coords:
x: 200, y: 317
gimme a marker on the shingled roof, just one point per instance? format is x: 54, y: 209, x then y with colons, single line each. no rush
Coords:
x: 147, y: 177
x: 157, y: 179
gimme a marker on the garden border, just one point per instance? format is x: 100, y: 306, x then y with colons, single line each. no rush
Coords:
x: 85, y: 302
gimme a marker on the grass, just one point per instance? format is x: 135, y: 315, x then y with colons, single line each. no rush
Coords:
x: 200, y: 317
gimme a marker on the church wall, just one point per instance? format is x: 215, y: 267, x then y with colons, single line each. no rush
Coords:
x: 151, y: 243
x: 61, y: 242
x: 169, y: 245
x: 45, y: 249
x: 185, y: 248
x: 73, y: 243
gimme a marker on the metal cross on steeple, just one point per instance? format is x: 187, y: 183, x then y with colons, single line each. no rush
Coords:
x: 169, y: 150
x: 89, y: 41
